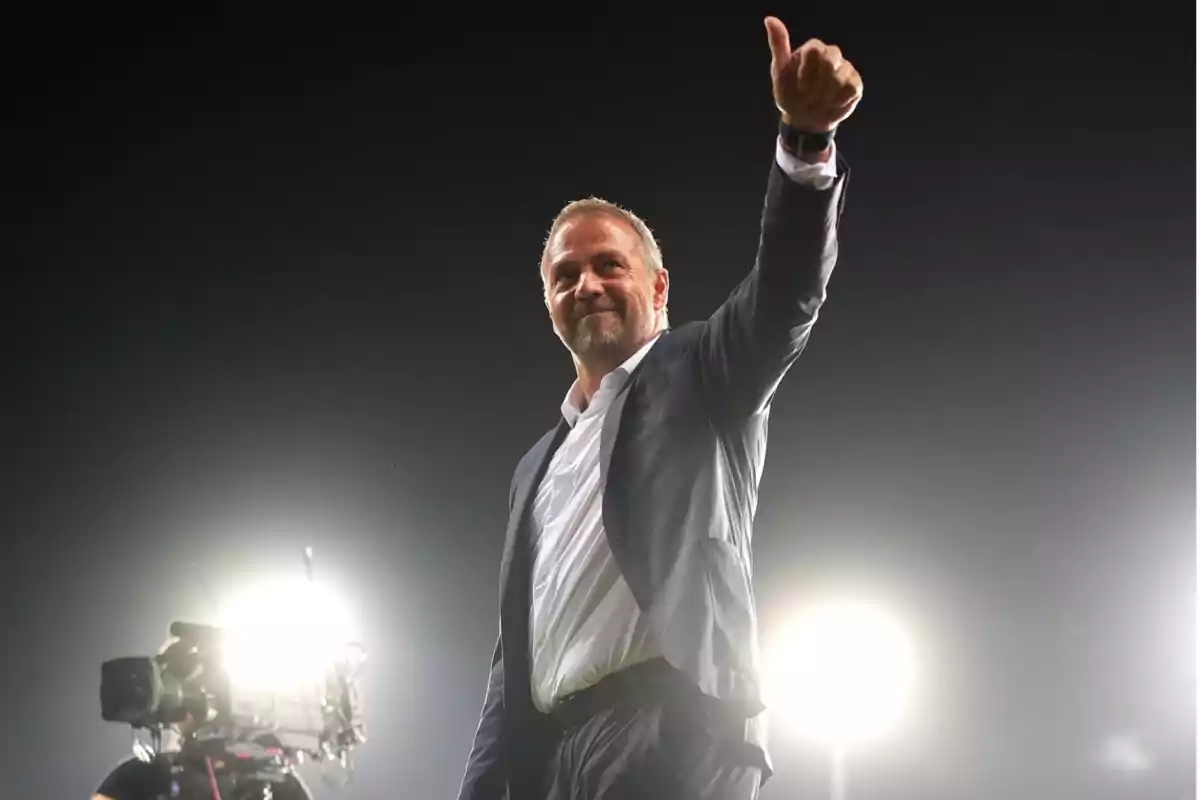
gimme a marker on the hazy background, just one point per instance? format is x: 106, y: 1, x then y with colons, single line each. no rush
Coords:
x: 275, y: 285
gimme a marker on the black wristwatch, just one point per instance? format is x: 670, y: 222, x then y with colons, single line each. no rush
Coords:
x: 798, y: 143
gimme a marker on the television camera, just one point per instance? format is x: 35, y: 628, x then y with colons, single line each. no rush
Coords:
x: 246, y: 729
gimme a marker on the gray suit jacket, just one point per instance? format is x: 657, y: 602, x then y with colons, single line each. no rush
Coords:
x: 682, y: 453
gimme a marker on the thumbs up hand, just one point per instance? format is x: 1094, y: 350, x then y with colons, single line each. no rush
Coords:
x: 815, y: 87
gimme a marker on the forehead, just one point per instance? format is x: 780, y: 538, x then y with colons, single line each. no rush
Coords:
x: 592, y: 232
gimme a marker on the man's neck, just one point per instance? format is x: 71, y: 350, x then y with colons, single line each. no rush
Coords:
x: 590, y: 378
x: 593, y: 370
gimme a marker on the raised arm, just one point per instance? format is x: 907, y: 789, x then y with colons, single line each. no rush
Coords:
x: 758, y: 332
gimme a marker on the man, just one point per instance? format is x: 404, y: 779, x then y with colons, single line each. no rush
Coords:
x: 167, y: 778
x: 626, y: 664
x: 183, y: 776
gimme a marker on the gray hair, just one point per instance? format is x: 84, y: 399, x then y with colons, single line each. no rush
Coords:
x: 651, y: 252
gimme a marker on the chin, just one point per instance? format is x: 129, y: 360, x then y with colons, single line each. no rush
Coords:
x: 588, y: 334
x: 594, y: 342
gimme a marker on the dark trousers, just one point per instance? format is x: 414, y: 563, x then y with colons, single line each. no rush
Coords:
x: 644, y: 734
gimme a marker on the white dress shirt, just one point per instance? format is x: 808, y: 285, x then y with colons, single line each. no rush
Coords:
x: 584, y: 622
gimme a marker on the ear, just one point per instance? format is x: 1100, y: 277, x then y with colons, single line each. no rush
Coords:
x: 662, y: 288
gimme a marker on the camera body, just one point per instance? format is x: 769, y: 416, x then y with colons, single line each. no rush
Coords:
x: 185, y: 680
x: 256, y: 732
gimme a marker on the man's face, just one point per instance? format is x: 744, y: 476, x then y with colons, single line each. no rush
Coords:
x: 603, y: 298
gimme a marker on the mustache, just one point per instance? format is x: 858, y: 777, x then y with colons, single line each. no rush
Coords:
x: 582, y: 311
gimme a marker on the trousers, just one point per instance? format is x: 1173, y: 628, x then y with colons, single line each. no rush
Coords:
x: 666, y: 747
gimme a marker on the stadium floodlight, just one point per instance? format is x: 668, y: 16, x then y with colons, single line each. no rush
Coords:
x: 285, y: 633
x: 840, y: 673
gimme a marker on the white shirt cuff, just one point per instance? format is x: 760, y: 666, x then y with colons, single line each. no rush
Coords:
x: 820, y: 175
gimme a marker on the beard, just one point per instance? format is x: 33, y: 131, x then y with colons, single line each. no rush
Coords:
x: 597, y: 332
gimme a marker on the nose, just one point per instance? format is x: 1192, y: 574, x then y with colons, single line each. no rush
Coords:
x: 588, y: 285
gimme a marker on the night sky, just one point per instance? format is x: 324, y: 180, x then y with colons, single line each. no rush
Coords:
x: 275, y: 284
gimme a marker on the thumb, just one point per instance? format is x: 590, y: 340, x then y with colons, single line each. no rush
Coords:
x: 777, y: 38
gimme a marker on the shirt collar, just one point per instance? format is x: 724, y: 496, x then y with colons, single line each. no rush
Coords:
x: 572, y: 405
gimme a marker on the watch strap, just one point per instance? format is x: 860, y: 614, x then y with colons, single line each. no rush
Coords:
x: 798, y: 142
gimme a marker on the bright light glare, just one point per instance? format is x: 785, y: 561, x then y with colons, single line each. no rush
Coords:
x: 283, y: 634
x: 839, y: 672
x: 1125, y: 754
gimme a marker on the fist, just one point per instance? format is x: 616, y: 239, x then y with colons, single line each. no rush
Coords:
x: 815, y: 88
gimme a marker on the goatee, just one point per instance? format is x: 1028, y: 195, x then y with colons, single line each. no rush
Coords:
x: 592, y: 334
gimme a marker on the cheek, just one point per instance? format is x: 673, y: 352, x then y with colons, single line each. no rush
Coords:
x: 560, y: 310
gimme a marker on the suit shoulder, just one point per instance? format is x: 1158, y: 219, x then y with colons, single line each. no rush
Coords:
x: 685, y: 332
x: 680, y: 338
x: 673, y: 347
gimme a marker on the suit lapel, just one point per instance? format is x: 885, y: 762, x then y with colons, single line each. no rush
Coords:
x: 527, y: 483
x: 616, y: 412
x: 538, y: 459
x: 612, y: 425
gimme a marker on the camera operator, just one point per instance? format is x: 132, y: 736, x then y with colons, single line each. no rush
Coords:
x: 188, y: 774
x: 163, y: 779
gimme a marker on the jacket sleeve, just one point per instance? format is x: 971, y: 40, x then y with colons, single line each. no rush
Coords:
x: 485, y: 777
x: 748, y: 344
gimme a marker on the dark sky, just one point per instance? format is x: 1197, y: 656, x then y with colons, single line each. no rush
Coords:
x: 275, y: 284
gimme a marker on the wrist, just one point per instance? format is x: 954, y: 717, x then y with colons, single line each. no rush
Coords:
x: 813, y: 147
x: 821, y: 157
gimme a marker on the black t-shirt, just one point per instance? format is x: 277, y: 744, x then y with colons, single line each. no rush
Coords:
x: 134, y: 779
